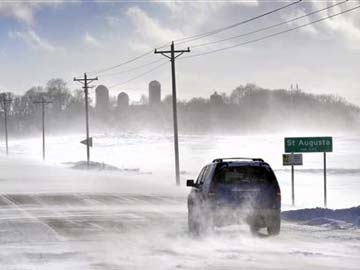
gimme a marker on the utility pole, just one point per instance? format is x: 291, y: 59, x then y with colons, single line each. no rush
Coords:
x: 4, y: 103
x: 43, y: 102
x: 85, y: 82
x: 172, y: 58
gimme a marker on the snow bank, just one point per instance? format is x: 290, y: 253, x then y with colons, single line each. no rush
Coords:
x: 82, y: 165
x: 337, y: 219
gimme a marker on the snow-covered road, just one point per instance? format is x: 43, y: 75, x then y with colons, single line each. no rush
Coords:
x: 122, y: 231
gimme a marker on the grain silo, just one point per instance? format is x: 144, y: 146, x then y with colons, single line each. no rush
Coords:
x: 154, y: 92
x: 123, y: 100
x: 102, y: 99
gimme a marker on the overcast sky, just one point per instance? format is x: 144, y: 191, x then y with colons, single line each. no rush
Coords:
x: 43, y: 40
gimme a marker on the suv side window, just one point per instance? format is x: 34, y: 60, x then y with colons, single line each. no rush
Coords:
x: 201, y: 178
x: 208, y: 175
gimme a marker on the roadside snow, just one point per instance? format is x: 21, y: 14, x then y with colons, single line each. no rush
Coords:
x: 336, y: 219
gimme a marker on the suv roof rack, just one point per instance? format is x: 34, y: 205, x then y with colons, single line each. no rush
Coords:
x: 219, y: 160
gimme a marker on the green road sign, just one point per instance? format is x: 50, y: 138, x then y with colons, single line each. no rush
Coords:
x: 308, y: 144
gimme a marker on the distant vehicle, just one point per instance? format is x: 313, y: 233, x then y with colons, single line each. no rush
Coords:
x: 235, y: 190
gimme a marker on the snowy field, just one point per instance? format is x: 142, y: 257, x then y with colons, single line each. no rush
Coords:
x: 54, y: 217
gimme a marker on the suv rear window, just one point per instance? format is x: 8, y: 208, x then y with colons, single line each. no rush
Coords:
x: 243, y: 174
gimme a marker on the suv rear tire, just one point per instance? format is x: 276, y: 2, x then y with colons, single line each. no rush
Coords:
x: 274, y: 226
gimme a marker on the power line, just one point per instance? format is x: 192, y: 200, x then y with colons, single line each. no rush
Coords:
x: 244, y: 43
x: 100, y: 71
x: 131, y: 60
x: 192, y: 38
x: 216, y: 31
x: 272, y: 35
x: 139, y: 76
x: 199, y: 36
x: 268, y: 27
x: 132, y: 69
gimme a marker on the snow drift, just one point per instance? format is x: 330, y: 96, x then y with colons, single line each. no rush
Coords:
x: 339, y: 218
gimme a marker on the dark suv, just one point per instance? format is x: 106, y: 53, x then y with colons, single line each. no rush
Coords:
x: 233, y: 190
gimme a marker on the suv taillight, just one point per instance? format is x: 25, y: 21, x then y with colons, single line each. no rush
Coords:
x: 278, y: 191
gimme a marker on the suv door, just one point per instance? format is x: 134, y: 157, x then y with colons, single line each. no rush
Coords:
x: 197, y: 212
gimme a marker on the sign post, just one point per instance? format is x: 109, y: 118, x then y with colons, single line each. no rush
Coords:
x: 293, y: 160
x: 325, y: 195
x: 311, y: 145
x: 292, y: 186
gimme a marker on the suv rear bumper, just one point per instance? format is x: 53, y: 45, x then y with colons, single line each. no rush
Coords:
x: 229, y: 215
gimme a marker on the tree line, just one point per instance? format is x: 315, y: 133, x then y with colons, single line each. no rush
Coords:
x: 247, y: 109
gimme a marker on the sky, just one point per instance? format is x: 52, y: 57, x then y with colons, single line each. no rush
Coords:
x: 41, y: 40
